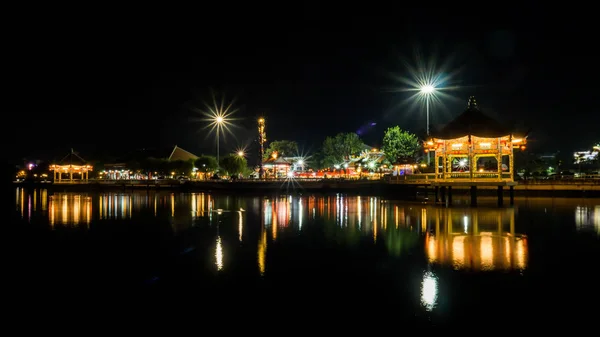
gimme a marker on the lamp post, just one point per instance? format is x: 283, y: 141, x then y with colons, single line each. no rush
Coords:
x: 427, y: 90
x: 219, y: 121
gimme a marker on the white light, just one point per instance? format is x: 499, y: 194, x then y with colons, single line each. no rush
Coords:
x: 427, y: 89
x: 429, y: 291
x: 219, y: 254
x: 300, y: 162
x: 290, y: 174
x: 219, y: 119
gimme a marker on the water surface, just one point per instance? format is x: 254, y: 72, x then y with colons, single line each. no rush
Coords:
x: 353, y: 256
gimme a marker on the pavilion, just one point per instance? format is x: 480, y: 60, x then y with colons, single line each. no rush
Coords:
x: 474, y: 147
x: 73, y: 165
x: 277, y: 167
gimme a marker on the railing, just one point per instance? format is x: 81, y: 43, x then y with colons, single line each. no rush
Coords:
x: 575, y: 181
x: 453, y: 176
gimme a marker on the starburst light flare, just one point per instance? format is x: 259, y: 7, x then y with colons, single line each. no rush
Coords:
x: 218, y: 114
x: 427, y: 81
x: 219, y: 118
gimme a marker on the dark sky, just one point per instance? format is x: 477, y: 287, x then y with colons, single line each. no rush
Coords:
x: 108, y: 83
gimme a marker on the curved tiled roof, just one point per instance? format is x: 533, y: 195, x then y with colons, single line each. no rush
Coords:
x: 72, y: 158
x: 472, y: 122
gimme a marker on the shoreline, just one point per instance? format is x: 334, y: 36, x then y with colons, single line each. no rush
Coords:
x: 404, y: 191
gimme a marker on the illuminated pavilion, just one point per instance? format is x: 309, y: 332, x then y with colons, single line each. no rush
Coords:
x: 276, y: 167
x: 463, y: 148
x: 72, y: 165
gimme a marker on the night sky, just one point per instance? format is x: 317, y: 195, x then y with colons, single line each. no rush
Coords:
x: 107, y: 85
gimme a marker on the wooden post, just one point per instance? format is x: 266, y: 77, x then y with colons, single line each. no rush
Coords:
x: 500, y: 196
x: 473, y: 195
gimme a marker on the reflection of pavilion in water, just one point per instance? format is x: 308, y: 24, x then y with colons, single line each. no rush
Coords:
x: 62, y: 208
x: 476, y: 239
x: 588, y: 218
x: 69, y: 209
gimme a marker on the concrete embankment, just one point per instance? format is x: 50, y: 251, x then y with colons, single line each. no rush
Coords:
x: 244, y: 187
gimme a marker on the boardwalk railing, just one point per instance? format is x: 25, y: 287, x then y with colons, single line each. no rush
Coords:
x: 450, y: 177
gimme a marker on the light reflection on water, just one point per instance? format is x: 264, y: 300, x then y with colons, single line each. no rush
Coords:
x: 482, y: 239
x: 485, y: 239
x: 587, y: 218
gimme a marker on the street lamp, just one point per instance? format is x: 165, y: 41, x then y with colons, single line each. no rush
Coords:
x: 240, y: 154
x: 427, y: 91
x: 219, y: 121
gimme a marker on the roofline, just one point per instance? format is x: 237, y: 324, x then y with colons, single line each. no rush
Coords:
x: 176, y: 147
x: 471, y: 135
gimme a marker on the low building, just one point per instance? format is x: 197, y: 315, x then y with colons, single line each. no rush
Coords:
x: 123, y: 168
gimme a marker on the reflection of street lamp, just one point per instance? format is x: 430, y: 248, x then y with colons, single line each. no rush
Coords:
x: 429, y: 291
x: 427, y: 90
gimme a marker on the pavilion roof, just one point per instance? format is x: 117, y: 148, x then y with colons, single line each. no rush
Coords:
x: 72, y: 158
x: 277, y: 161
x: 472, y: 122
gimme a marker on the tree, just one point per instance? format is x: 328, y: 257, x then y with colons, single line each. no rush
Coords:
x: 181, y: 167
x: 206, y: 164
x: 151, y: 165
x: 341, y: 147
x: 284, y: 148
x: 400, y: 145
x: 234, y: 164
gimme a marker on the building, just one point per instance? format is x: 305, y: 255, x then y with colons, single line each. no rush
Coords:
x: 587, y: 157
x: 71, y: 168
x: 123, y: 167
x: 474, y: 147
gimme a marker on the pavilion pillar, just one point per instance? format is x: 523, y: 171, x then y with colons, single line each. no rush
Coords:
x: 71, y: 174
x: 436, y: 168
x: 59, y: 175
x: 472, y: 164
x: 445, y: 160
x: 499, y: 158
x: 511, y: 159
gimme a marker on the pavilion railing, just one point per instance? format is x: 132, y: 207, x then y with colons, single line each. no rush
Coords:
x: 453, y: 176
